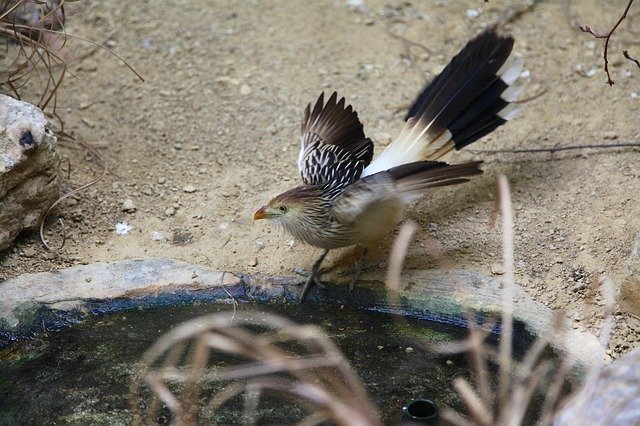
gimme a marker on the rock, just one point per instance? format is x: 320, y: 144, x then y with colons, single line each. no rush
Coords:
x: 128, y: 206
x: 629, y: 294
x: 245, y: 89
x: 497, y: 269
x: 29, y: 168
x: 448, y: 293
x: 189, y: 189
x: 72, y: 288
x: 612, y: 399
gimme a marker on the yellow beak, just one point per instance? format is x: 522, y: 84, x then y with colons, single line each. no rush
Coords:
x: 260, y: 214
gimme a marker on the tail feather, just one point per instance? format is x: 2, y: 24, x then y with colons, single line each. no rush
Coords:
x: 470, y: 98
x: 413, y: 179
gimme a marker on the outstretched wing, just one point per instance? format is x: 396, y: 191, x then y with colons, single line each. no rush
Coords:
x: 333, y: 145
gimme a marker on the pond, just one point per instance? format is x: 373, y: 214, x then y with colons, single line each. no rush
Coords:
x: 82, y: 374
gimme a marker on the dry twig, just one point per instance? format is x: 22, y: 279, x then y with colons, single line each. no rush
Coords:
x: 607, y: 37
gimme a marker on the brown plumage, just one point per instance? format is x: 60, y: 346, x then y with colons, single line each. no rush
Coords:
x: 349, y: 199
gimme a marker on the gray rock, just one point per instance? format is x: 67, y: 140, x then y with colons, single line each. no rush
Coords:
x: 69, y: 289
x: 629, y: 296
x: 612, y: 399
x: 29, y: 168
x: 451, y: 292
x: 430, y: 293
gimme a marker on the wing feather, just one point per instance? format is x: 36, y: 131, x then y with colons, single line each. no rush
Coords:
x: 332, y: 142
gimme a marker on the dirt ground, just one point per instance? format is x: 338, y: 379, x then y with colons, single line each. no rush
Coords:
x: 213, y: 133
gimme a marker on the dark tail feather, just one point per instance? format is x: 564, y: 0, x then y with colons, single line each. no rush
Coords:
x: 467, y: 96
x: 470, y: 98
x: 414, y: 178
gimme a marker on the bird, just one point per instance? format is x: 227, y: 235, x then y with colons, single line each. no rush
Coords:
x: 348, y: 197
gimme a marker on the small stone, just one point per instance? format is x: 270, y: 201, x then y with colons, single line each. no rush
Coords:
x: 610, y: 135
x: 189, y: 189
x: 497, y: 269
x: 161, y: 181
x: 449, y: 362
x: 87, y: 279
x: 29, y: 252
x: 128, y: 206
x: 253, y: 263
x: 169, y: 211
x: 49, y: 255
x: 409, y: 349
x: 245, y: 89
x: 228, y: 80
x: 380, y: 347
x: 90, y: 124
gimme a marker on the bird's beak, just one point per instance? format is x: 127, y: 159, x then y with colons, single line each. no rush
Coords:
x: 261, y: 213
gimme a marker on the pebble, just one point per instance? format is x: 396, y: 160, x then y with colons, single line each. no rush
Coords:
x: 253, y: 263
x: 497, y: 269
x: 409, y: 349
x: 29, y: 252
x: 169, y: 211
x: 189, y: 189
x: 245, y: 89
x: 88, y: 122
x: 449, y: 362
x: 128, y: 206
x: 161, y: 181
x: 228, y: 80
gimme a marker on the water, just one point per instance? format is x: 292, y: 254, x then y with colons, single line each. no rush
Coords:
x: 81, y: 375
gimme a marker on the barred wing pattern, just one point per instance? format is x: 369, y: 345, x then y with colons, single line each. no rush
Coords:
x: 334, y: 150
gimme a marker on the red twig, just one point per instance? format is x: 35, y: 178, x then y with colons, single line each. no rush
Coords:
x: 607, y: 37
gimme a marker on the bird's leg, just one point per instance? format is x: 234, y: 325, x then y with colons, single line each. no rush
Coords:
x: 359, y: 268
x: 313, y: 276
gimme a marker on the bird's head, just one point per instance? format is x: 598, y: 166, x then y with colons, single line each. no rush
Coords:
x: 292, y: 206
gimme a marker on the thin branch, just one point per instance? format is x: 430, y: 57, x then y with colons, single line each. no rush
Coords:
x: 607, y: 37
x: 634, y: 60
x: 555, y: 149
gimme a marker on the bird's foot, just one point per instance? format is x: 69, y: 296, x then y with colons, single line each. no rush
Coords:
x: 359, y: 269
x: 305, y: 273
x: 312, y: 279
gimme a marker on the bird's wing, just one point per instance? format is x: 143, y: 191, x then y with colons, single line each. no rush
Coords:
x: 332, y: 134
x: 364, y: 195
x: 402, y: 184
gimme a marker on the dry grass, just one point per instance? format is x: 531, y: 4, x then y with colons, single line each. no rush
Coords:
x: 34, y: 48
x: 262, y: 354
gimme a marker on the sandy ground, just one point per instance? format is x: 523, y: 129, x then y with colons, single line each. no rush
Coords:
x: 213, y: 133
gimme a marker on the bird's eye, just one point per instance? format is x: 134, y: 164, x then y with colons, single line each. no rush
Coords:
x: 283, y: 209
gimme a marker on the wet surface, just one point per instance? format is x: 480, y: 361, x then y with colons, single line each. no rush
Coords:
x: 82, y: 374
